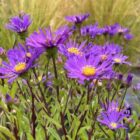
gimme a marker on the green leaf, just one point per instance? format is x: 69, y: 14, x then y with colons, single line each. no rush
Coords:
x: 53, y: 121
x: 53, y: 133
x: 5, y: 131
x: 2, y: 136
x: 13, y: 90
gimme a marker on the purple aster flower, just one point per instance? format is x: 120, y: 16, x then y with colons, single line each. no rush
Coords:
x: 2, y: 51
x: 91, y: 30
x: 47, y: 39
x: 120, y: 59
x: 128, y: 36
x: 112, y: 116
x: 120, y: 76
x: 111, y: 30
x: 72, y: 48
x: 83, y: 68
x: 19, y: 63
x: 77, y: 18
x: 115, y: 29
x: 113, y: 119
x: 19, y: 24
x: 10, y: 100
x: 129, y: 79
x: 105, y: 52
x: 136, y: 87
x: 120, y: 29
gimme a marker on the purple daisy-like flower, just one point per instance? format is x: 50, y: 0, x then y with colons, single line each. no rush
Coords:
x: 77, y: 18
x: 10, y: 100
x: 19, y: 63
x: 136, y: 87
x: 112, y: 115
x: 47, y: 39
x: 129, y: 79
x: 91, y: 30
x: 105, y: 52
x: 128, y: 36
x: 120, y: 29
x: 112, y: 119
x: 72, y: 48
x: 120, y: 59
x: 19, y: 24
x: 83, y: 68
x: 2, y: 51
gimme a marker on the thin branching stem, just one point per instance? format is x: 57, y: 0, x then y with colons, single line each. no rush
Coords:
x: 56, y: 77
x: 33, y: 111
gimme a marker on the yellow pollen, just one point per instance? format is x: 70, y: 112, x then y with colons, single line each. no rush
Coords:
x: 103, y: 57
x: 20, y: 67
x: 74, y: 50
x: 113, y: 125
x: 88, y: 70
x: 117, y: 60
x: 28, y: 54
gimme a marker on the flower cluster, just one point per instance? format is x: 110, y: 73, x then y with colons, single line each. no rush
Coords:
x: 73, y: 56
x: 112, y: 30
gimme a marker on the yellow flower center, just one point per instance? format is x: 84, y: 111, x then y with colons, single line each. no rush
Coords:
x: 115, y: 109
x: 74, y: 50
x: 28, y: 54
x: 117, y: 60
x: 20, y: 67
x: 88, y: 70
x: 103, y: 57
x: 113, y: 125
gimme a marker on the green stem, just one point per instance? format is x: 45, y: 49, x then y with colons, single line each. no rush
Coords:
x: 33, y: 111
x: 123, y: 98
x: 103, y: 131
x: 56, y: 77
x: 41, y: 91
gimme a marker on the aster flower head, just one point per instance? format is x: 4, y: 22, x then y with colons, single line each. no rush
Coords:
x: 129, y: 79
x: 48, y: 39
x: 72, y: 48
x: 9, y: 100
x: 113, y: 120
x: 136, y: 88
x: 120, y: 59
x: 77, y: 18
x: 120, y: 29
x: 128, y: 36
x: 18, y: 64
x: 83, y: 68
x: 2, y: 51
x: 19, y: 24
x: 105, y: 52
x: 112, y: 116
x: 91, y: 30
